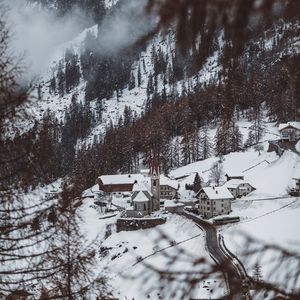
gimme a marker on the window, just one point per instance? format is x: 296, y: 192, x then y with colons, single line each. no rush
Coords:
x: 144, y: 206
x: 154, y: 182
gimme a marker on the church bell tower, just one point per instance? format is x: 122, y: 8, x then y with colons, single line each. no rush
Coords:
x: 155, y: 184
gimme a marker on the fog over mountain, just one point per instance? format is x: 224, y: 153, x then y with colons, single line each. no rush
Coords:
x: 37, y: 31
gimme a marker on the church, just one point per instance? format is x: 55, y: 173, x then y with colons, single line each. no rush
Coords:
x: 144, y: 198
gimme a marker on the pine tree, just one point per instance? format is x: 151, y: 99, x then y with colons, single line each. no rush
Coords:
x: 257, y: 275
x: 236, y: 139
x: 131, y: 84
x: 197, y: 183
x: 61, y: 79
x: 139, y: 75
x: 52, y: 85
x: 206, y: 146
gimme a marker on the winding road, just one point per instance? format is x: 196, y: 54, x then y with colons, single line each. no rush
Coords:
x: 233, y: 273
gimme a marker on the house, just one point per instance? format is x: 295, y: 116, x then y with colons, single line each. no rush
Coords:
x: 168, y: 188
x: 239, y: 187
x: 289, y: 131
x: 214, y: 201
x: 234, y: 175
x: 53, y: 194
x: 118, y: 183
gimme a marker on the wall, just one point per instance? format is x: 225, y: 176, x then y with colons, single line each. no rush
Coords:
x: 130, y: 224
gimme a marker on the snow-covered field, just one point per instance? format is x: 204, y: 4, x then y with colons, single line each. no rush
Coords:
x: 156, y: 247
x: 268, y: 222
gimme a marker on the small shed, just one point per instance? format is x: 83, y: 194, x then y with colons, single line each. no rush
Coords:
x: 234, y: 175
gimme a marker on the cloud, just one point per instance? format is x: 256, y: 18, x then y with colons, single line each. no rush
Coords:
x: 36, y: 32
x: 124, y: 26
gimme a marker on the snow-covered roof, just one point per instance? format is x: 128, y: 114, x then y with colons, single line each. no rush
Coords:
x: 295, y: 125
x: 234, y: 183
x: 121, y: 179
x: 142, y: 186
x: 169, y: 182
x: 234, y: 174
x: 141, y: 197
x: 217, y: 193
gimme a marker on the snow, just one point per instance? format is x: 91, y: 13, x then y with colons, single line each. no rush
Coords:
x: 135, y: 280
x: 217, y: 193
x: 234, y: 174
x: 142, y: 186
x: 271, y: 222
x: 296, y: 125
x: 121, y: 179
x: 169, y: 182
x: 234, y: 183
x: 297, y: 147
x: 141, y: 197
x: 172, y: 203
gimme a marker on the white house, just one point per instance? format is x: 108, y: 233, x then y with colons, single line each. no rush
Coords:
x: 214, y: 201
x: 168, y: 188
x: 290, y: 131
x: 239, y: 187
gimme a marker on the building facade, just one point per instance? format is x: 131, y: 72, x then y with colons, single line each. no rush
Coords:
x: 289, y: 131
x: 118, y: 183
x: 214, y: 201
x: 239, y: 188
x: 168, y: 188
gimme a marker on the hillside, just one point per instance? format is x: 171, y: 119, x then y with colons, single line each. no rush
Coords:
x: 190, y: 92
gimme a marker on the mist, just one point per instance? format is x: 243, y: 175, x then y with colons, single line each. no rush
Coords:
x: 124, y: 26
x: 37, y: 32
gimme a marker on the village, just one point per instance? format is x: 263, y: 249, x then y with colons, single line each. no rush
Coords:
x: 148, y: 196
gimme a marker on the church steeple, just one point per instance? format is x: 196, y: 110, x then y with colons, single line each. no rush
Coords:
x: 155, y: 184
x: 154, y: 164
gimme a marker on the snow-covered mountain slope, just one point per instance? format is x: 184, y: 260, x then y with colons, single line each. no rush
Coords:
x: 269, y: 222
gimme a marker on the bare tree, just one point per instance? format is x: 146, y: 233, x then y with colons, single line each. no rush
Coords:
x: 216, y: 173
